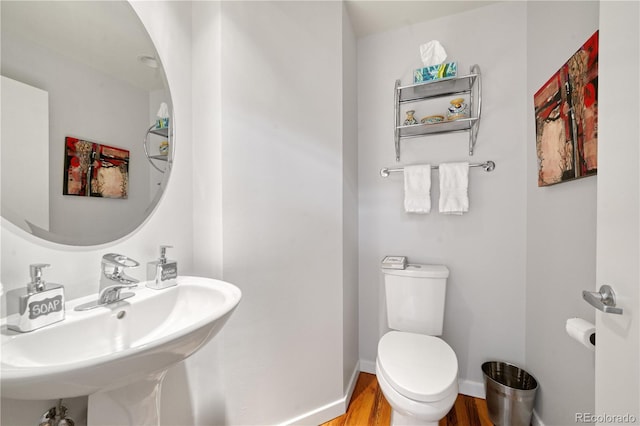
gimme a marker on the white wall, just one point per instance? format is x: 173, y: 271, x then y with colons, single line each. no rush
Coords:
x: 561, y: 232
x: 25, y: 138
x: 78, y: 268
x: 485, y: 248
x: 207, y: 131
x: 350, y: 310
x: 87, y: 104
x: 196, y: 387
x: 286, y: 192
x: 283, y: 210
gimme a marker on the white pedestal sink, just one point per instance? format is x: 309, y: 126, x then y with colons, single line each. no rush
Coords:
x: 118, y: 355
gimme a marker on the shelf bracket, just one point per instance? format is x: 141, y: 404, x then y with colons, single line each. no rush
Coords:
x: 159, y: 132
x: 475, y: 100
x: 396, y: 104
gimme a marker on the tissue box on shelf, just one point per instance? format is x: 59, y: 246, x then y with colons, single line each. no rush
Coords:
x: 435, y: 72
x: 162, y: 123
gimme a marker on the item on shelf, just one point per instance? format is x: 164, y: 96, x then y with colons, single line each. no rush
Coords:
x: 163, y: 116
x: 435, y: 72
x: 410, y: 118
x: 458, y: 109
x: 164, y: 148
x: 431, y: 119
x: 432, y: 53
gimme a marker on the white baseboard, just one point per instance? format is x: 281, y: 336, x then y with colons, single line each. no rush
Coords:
x: 535, y: 419
x: 319, y: 415
x: 367, y: 366
x: 351, y: 387
x: 329, y: 411
x: 468, y: 387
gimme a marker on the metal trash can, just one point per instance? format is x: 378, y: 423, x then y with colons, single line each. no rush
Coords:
x: 511, y: 392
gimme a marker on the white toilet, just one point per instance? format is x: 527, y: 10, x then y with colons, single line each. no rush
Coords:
x: 417, y: 372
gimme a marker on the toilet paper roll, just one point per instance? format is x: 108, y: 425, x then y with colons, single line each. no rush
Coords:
x: 582, y: 331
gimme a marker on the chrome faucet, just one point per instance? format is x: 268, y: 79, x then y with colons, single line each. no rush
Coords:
x: 112, y: 281
x: 112, y: 274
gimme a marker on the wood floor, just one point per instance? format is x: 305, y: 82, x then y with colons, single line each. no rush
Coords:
x: 368, y: 407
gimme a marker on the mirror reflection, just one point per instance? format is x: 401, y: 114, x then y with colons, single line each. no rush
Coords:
x: 81, y: 92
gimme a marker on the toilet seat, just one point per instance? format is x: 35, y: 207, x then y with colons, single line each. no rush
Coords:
x: 420, y: 367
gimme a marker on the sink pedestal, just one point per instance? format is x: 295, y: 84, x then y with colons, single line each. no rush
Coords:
x: 136, y: 404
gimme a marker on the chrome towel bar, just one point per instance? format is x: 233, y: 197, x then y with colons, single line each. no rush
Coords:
x: 488, y: 166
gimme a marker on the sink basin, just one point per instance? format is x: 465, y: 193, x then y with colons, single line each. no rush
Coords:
x: 112, y: 347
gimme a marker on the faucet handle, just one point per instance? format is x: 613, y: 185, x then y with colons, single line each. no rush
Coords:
x: 35, y: 270
x: 111, y: 294
x: 119, y: 260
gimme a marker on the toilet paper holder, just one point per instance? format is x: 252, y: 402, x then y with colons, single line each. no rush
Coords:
x: 603, y: 300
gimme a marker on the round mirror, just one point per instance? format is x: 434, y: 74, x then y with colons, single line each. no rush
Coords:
x: 86, y: 143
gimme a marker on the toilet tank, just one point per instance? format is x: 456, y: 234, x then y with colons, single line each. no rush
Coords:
x: 415, y: 298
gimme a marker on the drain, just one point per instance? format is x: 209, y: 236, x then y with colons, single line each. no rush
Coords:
x: 121, y: 314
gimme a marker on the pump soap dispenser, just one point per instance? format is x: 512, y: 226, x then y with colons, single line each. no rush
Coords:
x: 162, y: 273
x: 36, y: 305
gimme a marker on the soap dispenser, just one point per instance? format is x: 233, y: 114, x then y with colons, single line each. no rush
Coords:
x: 37, y: 305
x: 162, y: 273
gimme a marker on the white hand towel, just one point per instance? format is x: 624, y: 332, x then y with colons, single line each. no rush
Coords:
x: 417, y: 189
x: 454, y: 181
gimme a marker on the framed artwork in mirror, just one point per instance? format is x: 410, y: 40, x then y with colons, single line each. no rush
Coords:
x: 566, y: 114
x: 95, y: 170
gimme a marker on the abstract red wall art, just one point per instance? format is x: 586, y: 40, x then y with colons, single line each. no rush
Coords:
x: 566, y: 113
x: 95, y: 170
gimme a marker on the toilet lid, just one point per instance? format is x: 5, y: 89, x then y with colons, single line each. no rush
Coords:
x: 423, y: 368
